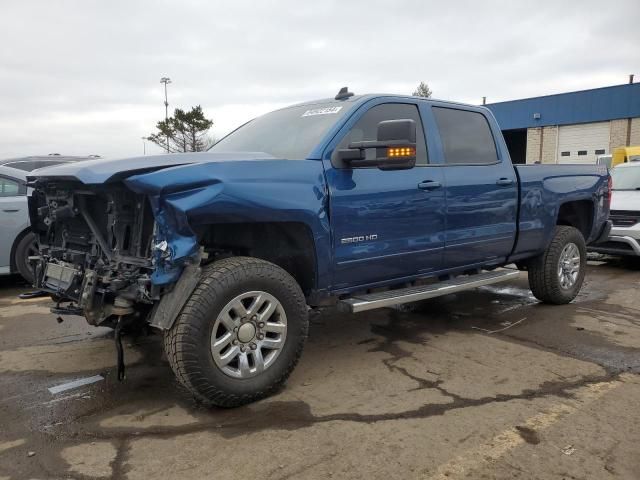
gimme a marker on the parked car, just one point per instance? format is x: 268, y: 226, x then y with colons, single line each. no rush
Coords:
x: 17, y: 242
x: 624, y: 238
x: 356, y: 202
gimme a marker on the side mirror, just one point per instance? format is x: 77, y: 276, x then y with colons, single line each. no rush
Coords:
x: 397, y: 130
x: 395, y: 147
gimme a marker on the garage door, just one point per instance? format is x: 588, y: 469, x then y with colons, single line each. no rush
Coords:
x: 582, y: 143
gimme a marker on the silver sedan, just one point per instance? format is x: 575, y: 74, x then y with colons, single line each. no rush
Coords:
x: 17, y: 243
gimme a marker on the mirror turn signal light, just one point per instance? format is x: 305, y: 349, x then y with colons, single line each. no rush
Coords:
x: 395, y: 152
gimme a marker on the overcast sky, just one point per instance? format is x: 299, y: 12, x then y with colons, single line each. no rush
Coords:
x: 82, y: 77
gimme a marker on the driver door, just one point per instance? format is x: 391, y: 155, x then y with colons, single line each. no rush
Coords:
x: 386, y: 224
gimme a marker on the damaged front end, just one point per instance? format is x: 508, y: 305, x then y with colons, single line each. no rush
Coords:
x: 103, y: 255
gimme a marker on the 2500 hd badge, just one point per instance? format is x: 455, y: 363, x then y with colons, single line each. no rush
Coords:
x: 359, y: 238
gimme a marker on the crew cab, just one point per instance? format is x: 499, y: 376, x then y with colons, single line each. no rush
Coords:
x: 357, y: 202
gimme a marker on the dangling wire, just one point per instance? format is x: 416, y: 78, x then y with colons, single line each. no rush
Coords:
x: 119, y: 349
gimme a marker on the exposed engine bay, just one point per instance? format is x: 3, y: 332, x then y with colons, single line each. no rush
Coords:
x: 96, y: 247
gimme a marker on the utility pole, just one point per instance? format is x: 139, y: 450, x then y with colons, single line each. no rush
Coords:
x: 144, y: 145
x: 166, y: 81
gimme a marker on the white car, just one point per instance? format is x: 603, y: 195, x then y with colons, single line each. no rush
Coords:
x: 17, y: 243
x: 624, y: 238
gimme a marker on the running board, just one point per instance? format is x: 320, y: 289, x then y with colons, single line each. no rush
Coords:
x: 388, y: 298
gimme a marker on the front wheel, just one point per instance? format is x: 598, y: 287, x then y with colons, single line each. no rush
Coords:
x: 240, y: 334
x: 556, y: 276
x: 26, y: 247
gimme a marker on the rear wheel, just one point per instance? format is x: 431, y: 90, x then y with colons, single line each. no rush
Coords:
x: 240, y: 334
x: 26, y: 247
x: 556, y: 276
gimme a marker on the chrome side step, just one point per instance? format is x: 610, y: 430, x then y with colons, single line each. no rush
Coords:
x: 371, y: 301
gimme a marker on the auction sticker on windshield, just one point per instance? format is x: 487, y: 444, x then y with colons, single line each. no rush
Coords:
x: 321, y: 111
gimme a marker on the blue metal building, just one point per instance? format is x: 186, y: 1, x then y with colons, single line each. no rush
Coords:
x: 573, y: 127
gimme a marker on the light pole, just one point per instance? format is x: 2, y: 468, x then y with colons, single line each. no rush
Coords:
x: 166, y: 81
x: 144, y: 145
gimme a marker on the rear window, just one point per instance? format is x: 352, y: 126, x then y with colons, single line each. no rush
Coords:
x: 466, y: 137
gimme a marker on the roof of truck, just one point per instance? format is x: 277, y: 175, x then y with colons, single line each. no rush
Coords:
x: 369, y: 96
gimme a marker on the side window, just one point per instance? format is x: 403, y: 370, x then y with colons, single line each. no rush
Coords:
x: 9, y: 188
x: 367, y: 128
x: 466, y: 137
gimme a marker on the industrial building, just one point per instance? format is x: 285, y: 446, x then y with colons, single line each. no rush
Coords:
x: 574, y: 127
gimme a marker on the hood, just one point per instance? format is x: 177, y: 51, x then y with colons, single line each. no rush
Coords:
x: 625, y: 200
x: 104, y: 170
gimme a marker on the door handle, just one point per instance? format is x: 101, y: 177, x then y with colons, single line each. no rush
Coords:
x: 429, y: 185
x: 10, y: 210
x: 504, y: 181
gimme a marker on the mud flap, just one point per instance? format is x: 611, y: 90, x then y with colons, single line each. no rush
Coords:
x: 171, y: 304
x: 604, y: 233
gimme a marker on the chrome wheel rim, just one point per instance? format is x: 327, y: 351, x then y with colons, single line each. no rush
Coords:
x: 569, y: 266
x: 248, y: 334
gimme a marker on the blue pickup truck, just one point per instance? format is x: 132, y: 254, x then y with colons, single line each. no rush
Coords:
x: 355, y: 202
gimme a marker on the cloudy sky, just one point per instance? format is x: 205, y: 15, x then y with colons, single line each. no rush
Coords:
x: 82, y: 77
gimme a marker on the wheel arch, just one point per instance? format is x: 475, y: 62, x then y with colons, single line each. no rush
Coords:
x: 290, y: 245
x: 578, y: 214
x: 14, y: 246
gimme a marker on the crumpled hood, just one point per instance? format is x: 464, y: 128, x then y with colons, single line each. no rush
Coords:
x: 105, y: 170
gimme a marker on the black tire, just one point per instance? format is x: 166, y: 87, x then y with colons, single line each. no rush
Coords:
x: 26, y: 246
x: 544, y: 279
x: 188, y: 342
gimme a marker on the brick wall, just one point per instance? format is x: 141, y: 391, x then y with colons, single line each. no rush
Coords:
x: 534, y: 137
x: 549, y: 144
x: 618, y: 135
x: 541, y: 144
x: 635, y: 132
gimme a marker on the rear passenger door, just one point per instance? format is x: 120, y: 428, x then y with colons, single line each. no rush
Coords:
x: 481, y: 189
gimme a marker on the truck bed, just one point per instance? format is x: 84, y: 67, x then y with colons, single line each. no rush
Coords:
x: 543, y: 189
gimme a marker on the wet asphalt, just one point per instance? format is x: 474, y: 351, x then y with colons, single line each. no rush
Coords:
x: 483, y: 384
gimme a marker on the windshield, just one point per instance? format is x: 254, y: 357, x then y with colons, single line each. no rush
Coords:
x: 627, y: 178
x: 290, y: 134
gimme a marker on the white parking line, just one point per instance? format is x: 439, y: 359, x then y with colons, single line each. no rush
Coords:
x: 463, y: 466
x: 75, y: 384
